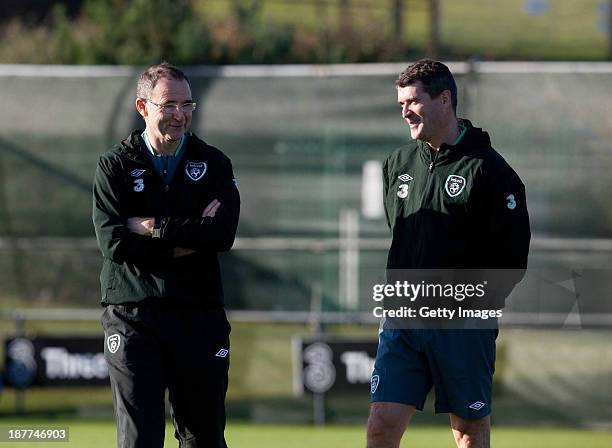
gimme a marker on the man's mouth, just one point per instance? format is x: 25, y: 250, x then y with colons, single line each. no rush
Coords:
x: 413, y: 120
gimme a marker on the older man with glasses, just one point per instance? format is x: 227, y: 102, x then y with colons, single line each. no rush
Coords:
x: 165, y: 203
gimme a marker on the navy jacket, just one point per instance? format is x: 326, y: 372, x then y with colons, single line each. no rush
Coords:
x: 136, y: 267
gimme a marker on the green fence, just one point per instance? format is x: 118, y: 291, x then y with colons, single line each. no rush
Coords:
x: 298, y: 137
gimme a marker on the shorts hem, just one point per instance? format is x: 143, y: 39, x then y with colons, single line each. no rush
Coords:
x: 464, y: 415
x: 418, y: 406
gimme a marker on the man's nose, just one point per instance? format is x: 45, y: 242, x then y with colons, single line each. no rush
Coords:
x: 178, y: 114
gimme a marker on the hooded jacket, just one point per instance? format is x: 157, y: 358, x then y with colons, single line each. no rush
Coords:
x: 461, y: 208
x: 136, y: 267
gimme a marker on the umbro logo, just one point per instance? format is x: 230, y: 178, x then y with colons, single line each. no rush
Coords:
x: 405, y: 177
x: 477, y: 406
x: 222, y: 353
x: 137, y: 173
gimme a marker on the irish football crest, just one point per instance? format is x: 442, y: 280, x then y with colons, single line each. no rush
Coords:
x: 195, y: 170
x: 113, y: 342
x: 374, y: 383
x: 454, y: 185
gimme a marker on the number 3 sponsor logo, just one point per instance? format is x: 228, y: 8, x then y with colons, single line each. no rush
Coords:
x: 320, y: 373
x: 402, y: 191
x: 511, y: 204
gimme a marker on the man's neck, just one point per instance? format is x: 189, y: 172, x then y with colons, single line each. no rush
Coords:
x: 163, y: 147
x: 447, y: 135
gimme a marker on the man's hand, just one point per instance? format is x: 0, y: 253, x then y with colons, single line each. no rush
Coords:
x: 144, y: 226
x: 141, y: 226
x: 211, y: 209
x: 209, y: 212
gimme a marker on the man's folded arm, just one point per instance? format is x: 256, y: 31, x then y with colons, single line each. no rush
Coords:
x: 209, y: 233
x: 114, y: 238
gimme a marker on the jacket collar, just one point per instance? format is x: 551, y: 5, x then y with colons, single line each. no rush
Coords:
x: 474, y: 139
x: 135, y: 148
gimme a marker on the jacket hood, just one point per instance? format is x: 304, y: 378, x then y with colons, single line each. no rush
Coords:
x: 131, y: 146
x: 474, y: 137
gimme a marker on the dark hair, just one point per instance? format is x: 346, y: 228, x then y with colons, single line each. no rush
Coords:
x: 435, y: 77
x: 149, y: 78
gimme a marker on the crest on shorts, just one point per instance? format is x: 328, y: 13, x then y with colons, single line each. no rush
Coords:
x: 374, y: 383
x: 195, y: 170
x: 454, y: 185
x: 113, y: 342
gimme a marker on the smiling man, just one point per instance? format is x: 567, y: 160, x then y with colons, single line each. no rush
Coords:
x: 165, y: 203
x: 452, y: 202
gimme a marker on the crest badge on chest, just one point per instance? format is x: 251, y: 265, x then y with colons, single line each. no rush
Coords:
x: 195, y: 170
x: 454, y: 185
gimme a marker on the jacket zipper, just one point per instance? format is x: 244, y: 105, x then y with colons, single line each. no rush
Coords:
x: 424, y: 193
x: 430, y: 169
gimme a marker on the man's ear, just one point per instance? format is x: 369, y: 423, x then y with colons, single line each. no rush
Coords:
x: 446, y: 97
x: 141, y: 107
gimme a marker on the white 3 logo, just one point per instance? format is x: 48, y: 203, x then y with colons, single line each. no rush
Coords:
x: 402, y: 191
x: 511, y: 202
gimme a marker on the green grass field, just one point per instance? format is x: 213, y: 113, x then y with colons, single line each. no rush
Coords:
x: 100, y: 434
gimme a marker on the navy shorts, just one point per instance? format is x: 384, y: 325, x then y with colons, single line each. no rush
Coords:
x: 458, y: 364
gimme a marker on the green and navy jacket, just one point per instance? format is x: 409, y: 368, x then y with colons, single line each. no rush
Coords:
x: 463, y: 207
x: 136, y: 267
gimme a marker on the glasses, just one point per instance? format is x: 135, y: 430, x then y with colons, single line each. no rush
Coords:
x: 170, y: 108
